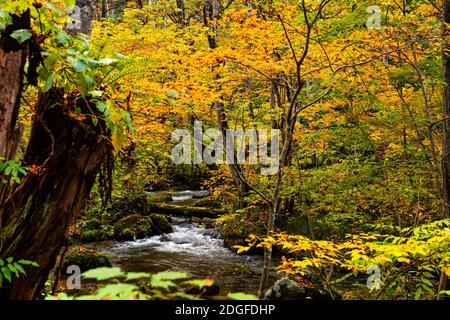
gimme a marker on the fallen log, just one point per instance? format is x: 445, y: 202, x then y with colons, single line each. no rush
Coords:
x: 183, y: 210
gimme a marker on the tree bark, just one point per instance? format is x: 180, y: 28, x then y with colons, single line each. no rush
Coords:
x: 65, y: 154
x: 446, y: 113
x: 37, y: 218
x: 443, y: 283
x: 12, y: 61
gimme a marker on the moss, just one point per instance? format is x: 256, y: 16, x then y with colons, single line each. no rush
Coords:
x: 90, y: 224
x: 183, y: 210
x: 91, y: 236
x: 85, y: 258
x: 160, y: 224
x: 236, y: 269
x: 164, y: 196
x: 133, y: 227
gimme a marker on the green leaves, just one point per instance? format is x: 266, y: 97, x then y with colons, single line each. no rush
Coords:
x: 137, y: 275
x: 12, y: 169
x: 21, y: 35
x: 62, y: 38
x: 163, y: 279
x: 161, y: 285
x: 28, y: 262
x: 69, y: 3
x: 103, y: 108
x: 242, y: 296
x: 49, y: 82
x: 10, y: 268
x: 5, y: 19
x: 95, y: 93
x: 80, y: 65
x: 103, y: 273
x: 117, y: 291
x: 172, y: 93
x: 6, y: 273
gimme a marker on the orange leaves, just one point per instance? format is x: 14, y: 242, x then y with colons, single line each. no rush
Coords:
x: 34, y: 169
x: 77, y: 117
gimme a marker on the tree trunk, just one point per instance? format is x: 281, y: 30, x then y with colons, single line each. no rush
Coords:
x: 65, y: 154
x: 12, y: 61
x: 446, y: 134
x: 446, y: 112
x: 267, y: 254
x: 37, y: 218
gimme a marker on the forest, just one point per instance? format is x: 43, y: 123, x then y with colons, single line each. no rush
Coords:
x: 224, y: 149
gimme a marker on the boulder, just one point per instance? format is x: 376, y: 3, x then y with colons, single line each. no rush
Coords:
x: 90, y: 224
x: 287, y: 289
x: 85, y: 258
x: 160, y: 224
x: 133, y: 227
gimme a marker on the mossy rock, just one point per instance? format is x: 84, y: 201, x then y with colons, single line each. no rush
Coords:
x: 92, y: 236
x: 160, y: 224
x: 209, y: 202
x: 206, y: 223
x: 163, y: 196
x: 286, y: 289
x: 90, y: 231
x: 85, y: 258
x: 135, y: 204
x: 236, y: 269
x: 133, y: 227
x: 90, y: 224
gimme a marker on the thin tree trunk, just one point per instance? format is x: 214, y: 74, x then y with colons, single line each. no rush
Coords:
x: 446, y: 113
x: 446, y: 134
x: 267, y: 254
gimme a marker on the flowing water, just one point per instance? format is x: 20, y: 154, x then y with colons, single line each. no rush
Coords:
x: 192, y: 249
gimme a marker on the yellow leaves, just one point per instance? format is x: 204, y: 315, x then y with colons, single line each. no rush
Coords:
x: 447, y: 270
x: 376, y: 136
x: 358, y: 254
x: 382, y: 259
x: 241, y: 249
x: 405, y: 260
x: 306, y: 263
x: 361, y: 251
x: 116, y: 141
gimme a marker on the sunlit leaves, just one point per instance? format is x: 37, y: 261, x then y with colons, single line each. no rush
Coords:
x: 121, y: 291
x: 137, y: 275
x: 165, y: 279
x: 103, y: 273
x: 422, y: 252
x: 241, y: 296
x: 21, y: 35
x: 162, y: 285
x: 5, y: 19
x: 200, y: 283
